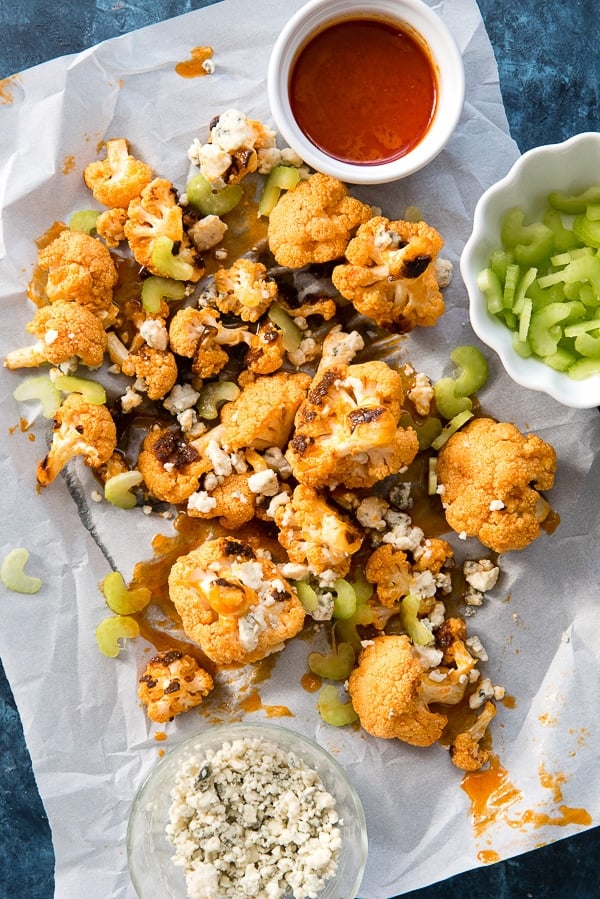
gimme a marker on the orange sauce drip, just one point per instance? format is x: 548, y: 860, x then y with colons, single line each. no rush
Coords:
x: 364, y: 90
x: 160, y: 736
x: 68, y: 165
x: 194, y: 66
x: 550, y: 522
x: 6, y: 85
x: 488, y: 856
x: 311, y: 682
x: 254, y: 703
x: 491, y: 793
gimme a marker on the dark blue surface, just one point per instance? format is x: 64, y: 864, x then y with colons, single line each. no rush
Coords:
x: 550, y: 79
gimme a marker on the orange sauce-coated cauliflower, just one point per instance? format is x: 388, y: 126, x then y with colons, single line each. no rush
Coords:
x: 80, y: 268
x: 119, y: 178
x: 172, y: 683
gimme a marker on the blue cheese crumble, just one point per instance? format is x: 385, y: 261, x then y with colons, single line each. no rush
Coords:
x: 252, y: 820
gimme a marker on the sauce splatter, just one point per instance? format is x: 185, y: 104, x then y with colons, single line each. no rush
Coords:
x: 491, y: 793
x: 488, y: 856
x: 68, y: 165
x: 199, y: 64
x: 311, y: 682
x: 254, y: 703
x: 159, y: 736
x: 7, y: 86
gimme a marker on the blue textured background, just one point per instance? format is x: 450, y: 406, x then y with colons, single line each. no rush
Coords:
x: 550, y: 79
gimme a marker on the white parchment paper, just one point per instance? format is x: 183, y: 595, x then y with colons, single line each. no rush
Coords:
x: 90, y: 742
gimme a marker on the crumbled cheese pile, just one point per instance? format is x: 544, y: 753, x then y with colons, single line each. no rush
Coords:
x: 252, y: 820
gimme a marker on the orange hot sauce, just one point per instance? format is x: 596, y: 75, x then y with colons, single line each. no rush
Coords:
x: 364, y: 90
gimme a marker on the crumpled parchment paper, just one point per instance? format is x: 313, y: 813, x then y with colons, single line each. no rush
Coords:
x: 90, y: 742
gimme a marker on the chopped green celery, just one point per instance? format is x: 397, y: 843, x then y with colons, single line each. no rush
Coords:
x: 335, y: 665
x: 564, y: 238
x: 416, y: 629
x: 168, y: 264
x: 523, y: 286
x: 84, y: 221
x: 510, y: 283
x: 525, y: 320
x: 564, y: 258
x: 584, y: 368
x: 121, y: 599
x: 432, y: 478
x: 346, y: 629
x: 39, y: 387
x: 522, y: 347
x: 588, y: 345
x: 282, y: 177
x: 582, y: 327
x: 213, y: 395
x: 307, y: 595
x: 561, y: 360
x: 587, y: 230
x: 509, y: 318
x: 363, y: 589
x: 117, y: 490
x: 344, y: 599
x: 543, y: 296
x: 332, y: 711
x: 545, y: 331
x: 292, y: 335
x: 499, y: 260
x: 155, y: 289
x: 113, y: 629
x: 573, y: 204
x: 452, y: 394
x: 413, y: 214
x: 451, y: 428
x: 13, y: 575
x: 530, y: 244
x: 593, y: 211
x: 203, y: 197
x: 426, y: 430
x: 91, y: 391
x: 585, y: 268
x: 489, y: 284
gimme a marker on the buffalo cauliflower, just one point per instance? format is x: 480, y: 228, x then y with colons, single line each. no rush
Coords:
x: 80, y: 429
x: 244, y: 289
x: 266, y: 351
x: 489, y: 477
x: 390, y: 275
x: 66, y: 333
x: 232, y: 149
x: 262, y: 416
x: 172, y: 683
x: 233, y: 603
x: 171, y: 466
x: 110, y: 226
x: 314, y: 533
x: 119, y: 178
x: 80, y: 268
x: 314, y: 222
x: 155, y: 370
x: 346, y: 430
x: 466, y: 751
x: 230, y: 500
x: 156, y: 236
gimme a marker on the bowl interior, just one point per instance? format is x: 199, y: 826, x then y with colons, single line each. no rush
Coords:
x: 149, y: 852
x: 569, y: 167
x: 418, y: 17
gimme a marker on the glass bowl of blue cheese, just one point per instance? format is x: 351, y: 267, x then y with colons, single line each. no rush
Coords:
x: 247, y: 810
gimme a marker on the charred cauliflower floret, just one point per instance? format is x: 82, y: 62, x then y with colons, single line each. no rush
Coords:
x: 80, y: 269
x: 262, y: 415
x: 172, y: 683
x: 266, y: 351
x: 156, y: 236
x: 390, y: 570
x: 116, y: 180
x: 65, y: 332
x: 80, y: 429
x: 235, y: 605
x: 390, y: 275
x: 155, y: 370
x: 232, y: 149
x: 489, y: 476
x: 316, y: 534
x: 314, y: 222
x: 386, y: 690
x: 171, y: 466
x: 346, y: 431
x: 466, y: 751
x: 244, y: 289
x: 231, y: 501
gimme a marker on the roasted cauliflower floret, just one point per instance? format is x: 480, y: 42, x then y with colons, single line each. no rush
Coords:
x: 489, y: 475
x: 171, y: 466
x: 266, y: 351
x: 390, y: 570
x: 232, y: 149
x: 234, y: 604
x: 155, y: 370
x: 316, y: 534
x: 314, y: 222
x: 466, y: 751
x: 154, y: 217
x: 110, y: 226
x: 263, y: 414
x: 80, y: 429
x: 390, y: 275
x: 80, y: 268
x: 346, y: 431
x: 386, y: 690
x: 199, y: 334
x: 172, y: 683
x: 231, y: 501
x: 245, y: 289
x: 116, y: 180
x: 65, y: 332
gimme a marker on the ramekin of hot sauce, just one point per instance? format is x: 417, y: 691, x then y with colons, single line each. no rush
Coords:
x: 369, y: 91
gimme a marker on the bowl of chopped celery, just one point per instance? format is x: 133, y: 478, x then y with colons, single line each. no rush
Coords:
x: 532, y: 270
x: 247, y: 809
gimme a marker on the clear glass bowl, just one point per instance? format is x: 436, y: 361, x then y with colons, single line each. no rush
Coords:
x: 152, y: 871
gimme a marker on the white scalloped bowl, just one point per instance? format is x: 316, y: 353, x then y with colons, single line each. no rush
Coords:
x: 570, y: 166
x: 418, y: 19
